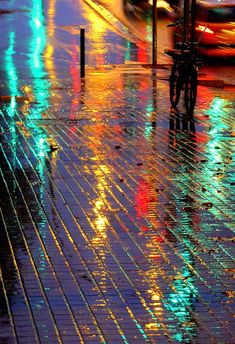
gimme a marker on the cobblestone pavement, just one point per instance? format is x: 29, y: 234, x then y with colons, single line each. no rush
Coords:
x: 117, y: 215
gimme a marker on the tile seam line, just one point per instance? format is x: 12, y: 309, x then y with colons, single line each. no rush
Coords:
x: 78, y: 250
x: 73, y: 133
x: 3, y: 284
x: 36, y: 173
x: 17, y: 269
x: 70, y: 234
x: 193, y: 167
x: 43, y: 245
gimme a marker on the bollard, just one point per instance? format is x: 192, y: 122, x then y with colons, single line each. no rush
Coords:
x: 154, y: 32
x: 82, y: 52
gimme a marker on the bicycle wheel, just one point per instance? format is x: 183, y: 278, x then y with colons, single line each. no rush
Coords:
x: 176, y: 83
x: 190, y: 91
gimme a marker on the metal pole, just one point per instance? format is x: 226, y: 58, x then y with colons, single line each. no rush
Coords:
x: 193, y: 19
x: 154, y: 32
x: 82, y: 52
x: 186, y: 20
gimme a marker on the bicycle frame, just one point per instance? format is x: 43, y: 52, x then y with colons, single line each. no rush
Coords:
x: 184, y: 70
x: 183, y: 78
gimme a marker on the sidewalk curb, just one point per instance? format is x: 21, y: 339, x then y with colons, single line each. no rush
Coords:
x: 121, y: 27
x: 202, y: 81
x: 211, y: 83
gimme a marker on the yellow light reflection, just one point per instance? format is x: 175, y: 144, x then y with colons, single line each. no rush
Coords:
x: 100, y: 207
x: 49, y: 51
x: 97, y: 29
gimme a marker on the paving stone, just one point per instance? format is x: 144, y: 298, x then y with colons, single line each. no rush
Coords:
x: 124, y: 232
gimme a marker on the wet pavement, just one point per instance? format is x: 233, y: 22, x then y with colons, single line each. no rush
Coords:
x: 117, y: 213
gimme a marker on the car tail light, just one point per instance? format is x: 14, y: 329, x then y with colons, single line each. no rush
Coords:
x: 204, y: 29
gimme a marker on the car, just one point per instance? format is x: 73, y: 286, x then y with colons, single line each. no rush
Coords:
x: 140, y: 7
x: 214, y: 28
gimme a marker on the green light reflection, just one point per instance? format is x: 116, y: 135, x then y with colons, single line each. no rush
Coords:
x: 10, y: 68
x: 217, y: 169
x: 41, y: 85
x: 37, y: 46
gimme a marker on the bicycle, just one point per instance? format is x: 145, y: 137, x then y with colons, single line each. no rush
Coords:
x: 184, y: 72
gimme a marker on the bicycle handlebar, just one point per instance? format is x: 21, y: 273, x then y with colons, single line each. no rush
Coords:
x: 177, y: 23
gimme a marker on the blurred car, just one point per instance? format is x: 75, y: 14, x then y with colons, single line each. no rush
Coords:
x: 215, y: 28
x: 139, y: 7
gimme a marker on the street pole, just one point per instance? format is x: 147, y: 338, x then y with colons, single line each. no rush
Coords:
x: 154, y: 33
x: 186, y: 21
x: 82, y: 52
x: 193, y: 20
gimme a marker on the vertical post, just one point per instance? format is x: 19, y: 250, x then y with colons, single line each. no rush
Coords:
x: 82, y: 52
x: 154, y: 32
x: 193, y: 20
x: 186, y: 20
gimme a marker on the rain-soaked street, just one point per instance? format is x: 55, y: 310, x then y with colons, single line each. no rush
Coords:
x: 117, y: 213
